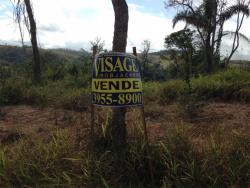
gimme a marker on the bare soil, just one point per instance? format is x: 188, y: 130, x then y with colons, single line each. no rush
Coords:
x: 17, y: 121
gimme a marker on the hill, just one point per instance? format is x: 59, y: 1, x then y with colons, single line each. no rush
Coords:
x: 16, y: 54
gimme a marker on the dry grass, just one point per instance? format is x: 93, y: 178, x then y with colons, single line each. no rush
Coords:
x: 210, y: 151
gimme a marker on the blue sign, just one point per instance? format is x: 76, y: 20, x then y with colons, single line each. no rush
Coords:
x: 116, y: 80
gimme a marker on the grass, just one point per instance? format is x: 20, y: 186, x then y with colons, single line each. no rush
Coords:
x: 176, y: 161
x: 228, y: 85
x: 74, y: 93
x: 63, y: 94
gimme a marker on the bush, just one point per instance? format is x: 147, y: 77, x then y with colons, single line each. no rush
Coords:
x: 36, y: 96
x: 228, y: 85
x: 75, y: 99
x: 13, y: 92
x: 151, y: 91
x: 171, y: 91
x: 223, y: 85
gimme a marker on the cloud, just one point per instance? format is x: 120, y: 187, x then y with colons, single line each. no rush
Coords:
x: 50, y: 28
x: 77, y: 22
x: 72, y: 24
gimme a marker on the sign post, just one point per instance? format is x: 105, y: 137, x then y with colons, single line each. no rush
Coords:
x: 116, y: 82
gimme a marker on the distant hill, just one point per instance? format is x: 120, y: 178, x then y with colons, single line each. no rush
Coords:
x: 16, y: 54
x: 69, y: 52
x: 241, y: 62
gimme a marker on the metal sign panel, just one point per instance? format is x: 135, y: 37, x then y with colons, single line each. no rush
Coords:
x: 116, y: 80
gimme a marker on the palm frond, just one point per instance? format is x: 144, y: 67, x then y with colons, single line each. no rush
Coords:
x: 190, y: 18
x: 241, y: 35
x: 233, y: 10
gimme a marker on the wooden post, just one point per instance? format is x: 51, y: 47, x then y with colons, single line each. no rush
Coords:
x: 92, y: 127
x: 134, y: 51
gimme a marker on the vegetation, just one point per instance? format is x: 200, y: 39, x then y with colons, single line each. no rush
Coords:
x: 208, y: 19
x: 177, y: 162
x: 69, y: 84
x: 183, y: 148
x: 221, y: 160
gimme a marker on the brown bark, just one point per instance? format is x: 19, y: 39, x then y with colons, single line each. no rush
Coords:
x: 121, y: 25
x: 117, y: 124
x: 33, y: 35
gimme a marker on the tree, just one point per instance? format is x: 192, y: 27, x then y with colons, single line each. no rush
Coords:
x: 183, y: 42
x: 208, y: 19
x: 117, y: 124
x: 146, y: 44
x: 24, y: 13
x: 99, y: 43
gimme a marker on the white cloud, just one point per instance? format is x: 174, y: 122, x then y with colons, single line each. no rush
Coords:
x: 79, y: 21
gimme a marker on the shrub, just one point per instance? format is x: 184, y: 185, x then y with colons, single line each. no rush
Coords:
x: 13, y: 92
x: 170, y: 91
x: 151, y: 91
x: 75, y: 99
x: 222, y: 85
x: 36, y: 96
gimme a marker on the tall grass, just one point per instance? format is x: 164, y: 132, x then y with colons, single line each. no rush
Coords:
x: 176, y: 161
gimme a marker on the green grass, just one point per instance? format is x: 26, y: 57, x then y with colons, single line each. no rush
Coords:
x: 74, y: 93
x: 63, y: 94
x: 228, y: 85
x: 175, y: 162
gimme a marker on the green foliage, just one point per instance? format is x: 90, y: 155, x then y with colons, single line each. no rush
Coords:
x: 189, y: 103
x: 76, y: 99
x: 171, y: 91
x: 223, y: 85
x: 63, y: 85
x: 154, y: 72
x: 13, y: 91
x: 228, y: 85
x: 182, y: 40
x: 208, y: 19
x: 71, y: 91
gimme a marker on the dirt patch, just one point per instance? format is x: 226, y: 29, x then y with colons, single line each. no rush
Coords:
x: 36, y: 121
x: 31, y: 120
x: 11, y: 137
x: 223, y: 117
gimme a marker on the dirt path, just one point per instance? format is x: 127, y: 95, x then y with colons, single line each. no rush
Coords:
x: 28, y: 119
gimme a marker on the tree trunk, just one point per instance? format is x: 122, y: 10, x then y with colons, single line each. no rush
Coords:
x: 36, y: 54
x: 117, y: 124
x: 208, y: 55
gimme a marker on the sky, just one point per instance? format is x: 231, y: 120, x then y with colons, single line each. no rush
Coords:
x: 73, y: 24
